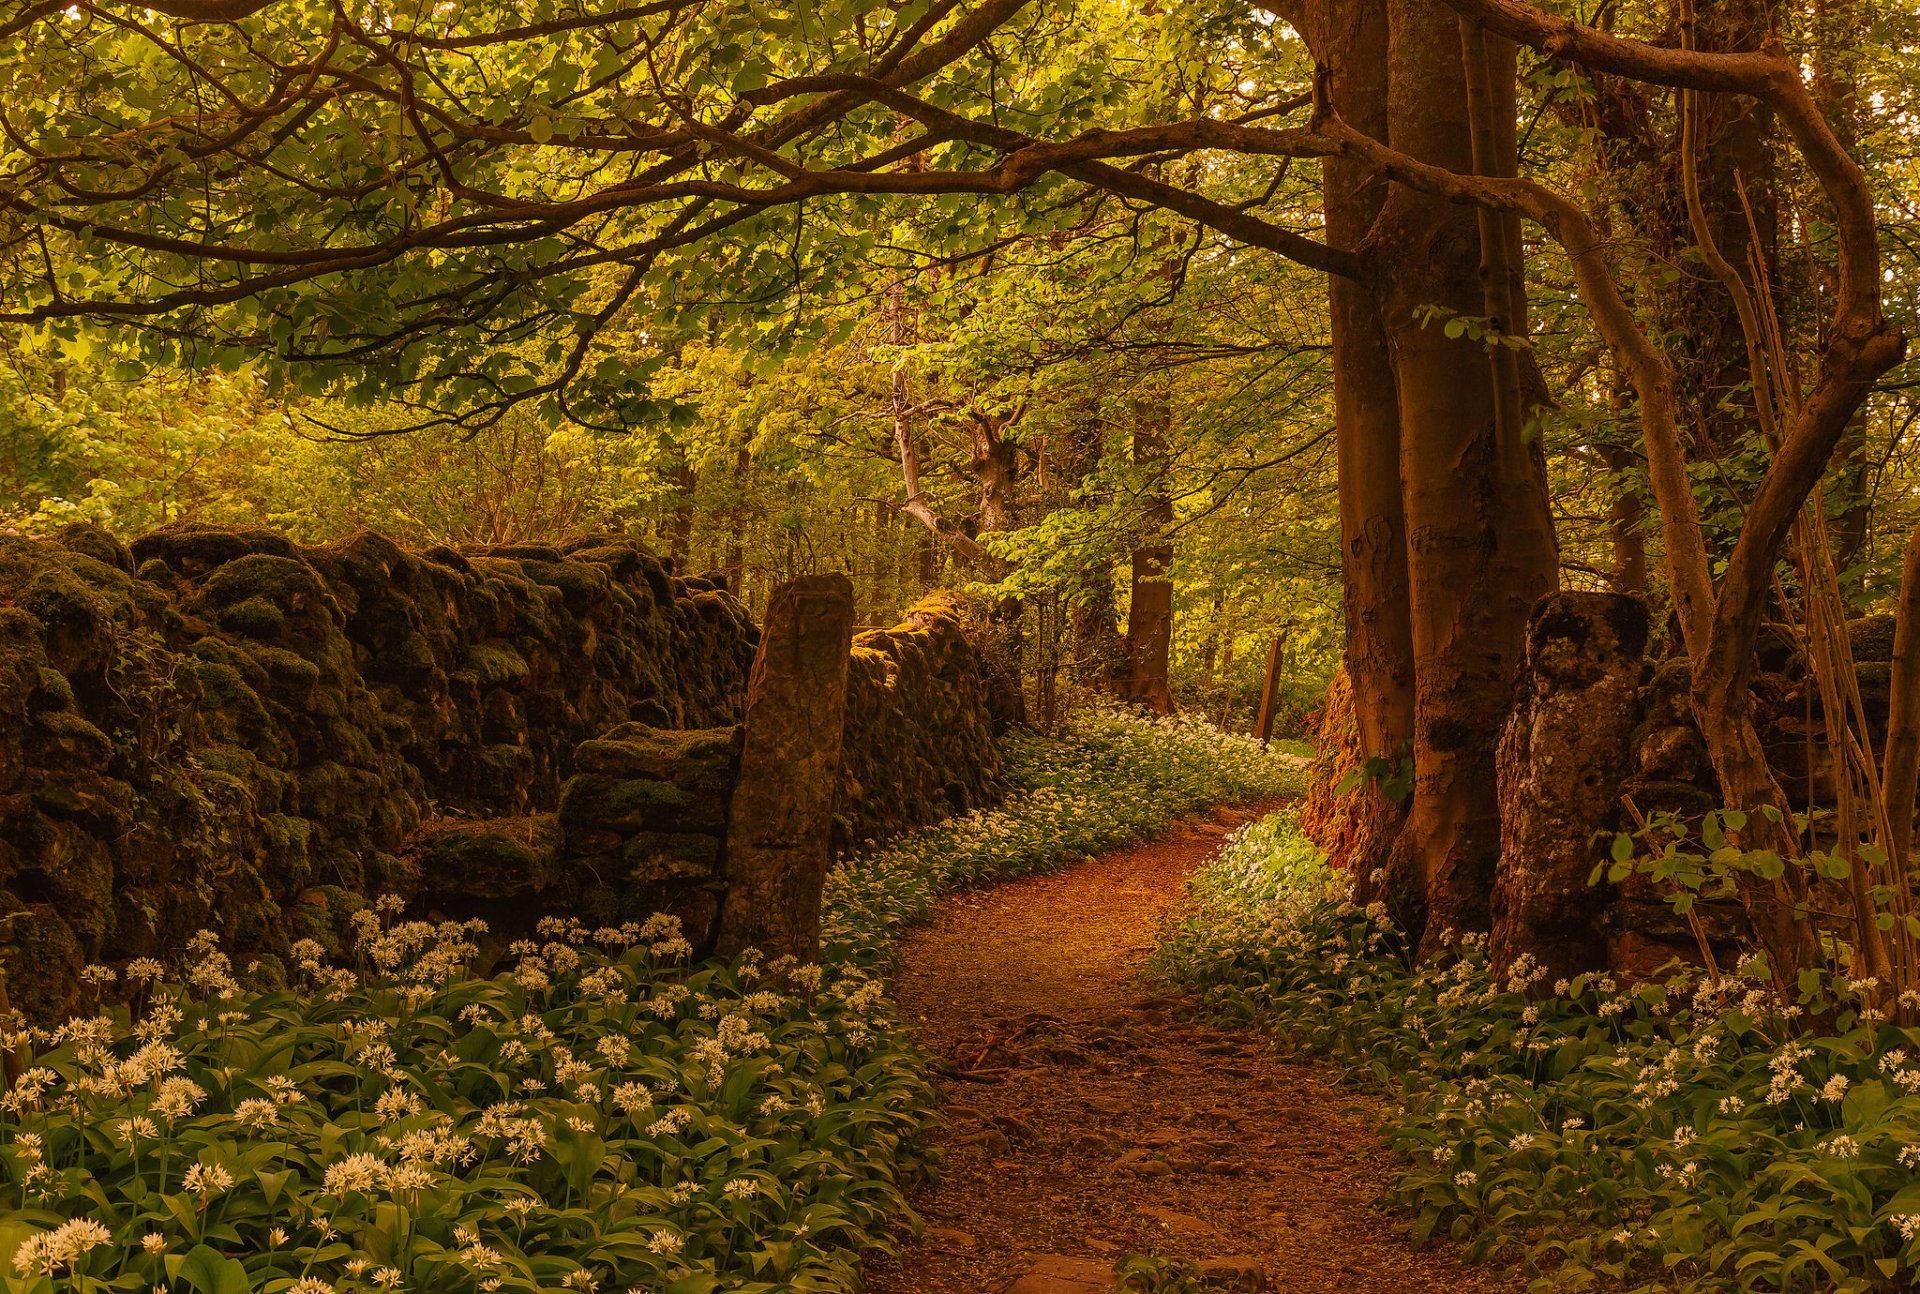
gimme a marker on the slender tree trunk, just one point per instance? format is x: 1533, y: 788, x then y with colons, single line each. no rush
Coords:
x: 1093, y: 616
x: 680, y: 519
x: 1626, y: 514
x: 1149, y: 637
x: 1480, y: 538
x: 917, y: 505
x: 736, y: 562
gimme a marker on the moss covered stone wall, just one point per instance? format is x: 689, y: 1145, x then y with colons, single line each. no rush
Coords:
x: 921, y: 720
x: 214, y: 728
x: 220, y: 728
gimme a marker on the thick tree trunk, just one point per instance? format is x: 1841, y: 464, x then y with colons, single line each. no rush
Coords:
x: 1351, y: 40
x: 1480, y: 538
x: 1566, y: 750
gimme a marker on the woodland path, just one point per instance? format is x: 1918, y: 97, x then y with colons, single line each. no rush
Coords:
x: 1095, y: 1123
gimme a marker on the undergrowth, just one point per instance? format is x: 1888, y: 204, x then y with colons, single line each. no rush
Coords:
x: 1109, y: 780
x: 595, y: 1115
x: 1682, y: 1136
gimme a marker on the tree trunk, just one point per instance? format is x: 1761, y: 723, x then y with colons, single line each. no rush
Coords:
x: 1149, y: 637
x: 1093, y: 612
x: 680, y: 519
x: 996, y: 466
x: 1351, y: 40
x: 1626, y: 513
x: 1480, y: 538
x: 736, y: 561
x: 1566, y: 750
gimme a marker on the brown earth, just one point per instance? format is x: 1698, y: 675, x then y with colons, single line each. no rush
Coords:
x: 1087, y: 1121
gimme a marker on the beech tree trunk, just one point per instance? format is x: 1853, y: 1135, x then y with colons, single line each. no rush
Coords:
x: 1351, y: 41
x: 1480, y: 537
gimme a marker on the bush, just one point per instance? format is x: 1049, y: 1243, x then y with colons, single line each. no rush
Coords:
x: 1680, y: 1136
x: 598, y: 1115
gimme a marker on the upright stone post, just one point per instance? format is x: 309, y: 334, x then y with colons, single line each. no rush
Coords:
x: 781, y: 816
x: 1567, y: 748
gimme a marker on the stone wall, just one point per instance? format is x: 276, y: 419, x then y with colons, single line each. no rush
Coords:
x: 922, y: 715
x: 220, y: 728
x: 643, y: 824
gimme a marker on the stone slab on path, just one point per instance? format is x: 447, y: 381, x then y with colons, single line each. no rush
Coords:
x: 1058, y: 1065
x: 1059, y: 1274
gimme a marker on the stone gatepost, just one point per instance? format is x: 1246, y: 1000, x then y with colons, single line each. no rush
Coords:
x: 781, y: 818
x: 1565, y: 751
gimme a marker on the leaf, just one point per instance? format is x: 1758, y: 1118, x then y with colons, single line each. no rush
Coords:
x: 210, y: 1272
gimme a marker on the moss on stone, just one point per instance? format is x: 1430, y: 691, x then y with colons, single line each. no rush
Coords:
x: 496, y: 664
x: 253, y: 618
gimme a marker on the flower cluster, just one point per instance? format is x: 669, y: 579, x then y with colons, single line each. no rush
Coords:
x: 617, y: 1119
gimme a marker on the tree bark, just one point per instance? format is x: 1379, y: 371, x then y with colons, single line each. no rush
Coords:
x: 1093, y: 613
x: 1149, y: 637
x: 1566, y: 750
x: 1350, y: 40
x: 1480, y: 538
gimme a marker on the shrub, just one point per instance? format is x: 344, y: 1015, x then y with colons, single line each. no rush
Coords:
x: 1683, y: 1135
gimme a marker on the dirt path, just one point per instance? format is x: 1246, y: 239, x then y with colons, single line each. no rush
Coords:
x: 1094, y: 1124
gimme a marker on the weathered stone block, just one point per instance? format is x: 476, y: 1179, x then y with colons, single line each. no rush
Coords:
x: 497, y: 859
x: 671, y: 855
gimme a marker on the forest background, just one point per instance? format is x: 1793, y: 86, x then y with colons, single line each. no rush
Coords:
x: 1059, y: 396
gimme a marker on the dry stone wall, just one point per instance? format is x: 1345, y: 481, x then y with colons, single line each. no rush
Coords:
x: 922, y: 715
x: 219, y: 728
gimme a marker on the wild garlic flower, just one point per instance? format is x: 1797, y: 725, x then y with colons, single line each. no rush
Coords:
x: 207, y: 1179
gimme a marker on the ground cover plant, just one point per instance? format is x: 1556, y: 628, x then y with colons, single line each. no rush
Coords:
x: 597, y: 1114
x: 1109, y: 779
x: 1683, y: 1135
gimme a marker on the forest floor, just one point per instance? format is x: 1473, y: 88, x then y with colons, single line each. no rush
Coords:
x: 1086, y: 1121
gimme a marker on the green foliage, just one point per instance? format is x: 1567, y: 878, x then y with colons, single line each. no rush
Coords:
x: 1157, y: 1274
x: 597, y: 1113
x: 1394, y: 777
x: 1110, y: 779
x: 1681, y: 1136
